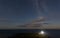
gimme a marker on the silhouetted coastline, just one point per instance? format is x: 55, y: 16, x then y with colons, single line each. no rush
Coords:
x: 13, y: 33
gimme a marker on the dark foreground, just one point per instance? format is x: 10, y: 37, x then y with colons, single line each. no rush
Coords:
x: 28, y: 33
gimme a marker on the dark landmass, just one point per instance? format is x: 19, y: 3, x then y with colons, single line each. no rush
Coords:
x: 28, y: 35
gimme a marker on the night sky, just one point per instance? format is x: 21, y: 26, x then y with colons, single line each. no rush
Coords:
x: 15, y: 12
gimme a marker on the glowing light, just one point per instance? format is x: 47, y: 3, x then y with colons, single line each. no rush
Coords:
x: 42, y: 32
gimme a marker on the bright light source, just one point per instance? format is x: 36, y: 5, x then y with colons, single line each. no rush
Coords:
x: 42, y: 32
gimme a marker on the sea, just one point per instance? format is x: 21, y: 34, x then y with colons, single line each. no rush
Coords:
x: 53, y: 33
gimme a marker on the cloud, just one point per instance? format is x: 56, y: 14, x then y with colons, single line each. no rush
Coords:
x: 34, y: 23
x: 4, y: 20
